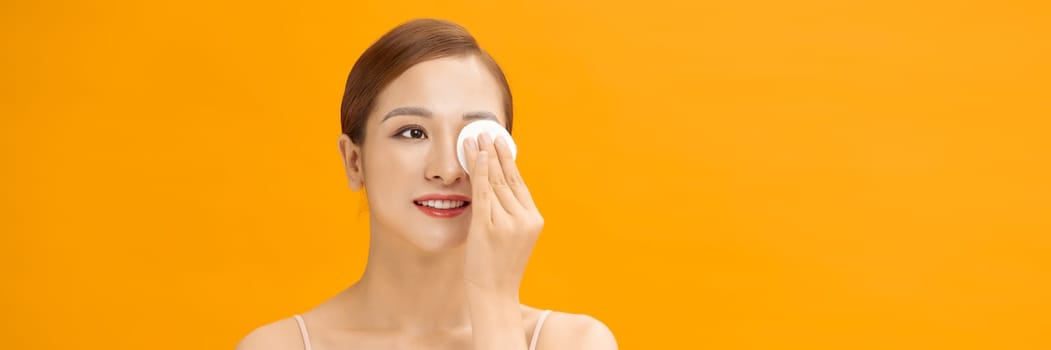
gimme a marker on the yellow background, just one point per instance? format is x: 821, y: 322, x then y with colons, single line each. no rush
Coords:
x: 713, y: 174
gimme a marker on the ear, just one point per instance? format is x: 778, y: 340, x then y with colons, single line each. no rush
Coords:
x: 352, y: 162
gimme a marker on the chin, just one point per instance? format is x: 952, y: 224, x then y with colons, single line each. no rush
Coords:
x: 434, y: 240
x: 429, y: 235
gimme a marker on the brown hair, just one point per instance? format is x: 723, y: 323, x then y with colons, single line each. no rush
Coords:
x: 404, y: 46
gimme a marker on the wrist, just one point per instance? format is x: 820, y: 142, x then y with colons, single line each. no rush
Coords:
x: 496, y: 318
x: 491, y: 291
x: 491, y: 294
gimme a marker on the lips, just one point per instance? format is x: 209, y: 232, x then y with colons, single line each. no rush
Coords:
x: 442, y: 205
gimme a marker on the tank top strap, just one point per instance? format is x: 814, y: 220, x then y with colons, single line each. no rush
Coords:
x: 536, y: 330
x: 303, y: 331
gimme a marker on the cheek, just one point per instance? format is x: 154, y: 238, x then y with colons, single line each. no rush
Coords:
x: 391, y: 164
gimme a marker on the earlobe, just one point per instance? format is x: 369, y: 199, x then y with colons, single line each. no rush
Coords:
x: 351, y: 155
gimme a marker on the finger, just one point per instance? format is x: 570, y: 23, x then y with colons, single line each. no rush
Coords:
x: 504, y: 195
x: 514, y: 178
x: 470, y: 152
x: 481, y: 196
x: 480, y: 186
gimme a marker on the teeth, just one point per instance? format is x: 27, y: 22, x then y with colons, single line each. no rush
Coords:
x: 441, y: 204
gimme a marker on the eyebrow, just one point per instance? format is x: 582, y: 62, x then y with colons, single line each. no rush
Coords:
x: 423, y: 112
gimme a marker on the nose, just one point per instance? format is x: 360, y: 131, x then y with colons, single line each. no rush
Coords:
x: 442, y: 164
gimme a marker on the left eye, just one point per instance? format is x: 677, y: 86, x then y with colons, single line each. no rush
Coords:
x: 413, y: 133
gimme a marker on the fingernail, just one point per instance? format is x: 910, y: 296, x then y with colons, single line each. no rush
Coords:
x: 500, y: 141
x: 468, y: 142
x: 485, y: 138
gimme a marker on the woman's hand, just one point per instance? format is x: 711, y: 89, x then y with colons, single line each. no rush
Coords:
x: 505, y: 222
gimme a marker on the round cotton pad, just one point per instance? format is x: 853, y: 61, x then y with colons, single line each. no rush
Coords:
x: 472, y: 130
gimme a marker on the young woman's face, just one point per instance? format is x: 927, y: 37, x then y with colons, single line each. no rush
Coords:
x: 410, y: 147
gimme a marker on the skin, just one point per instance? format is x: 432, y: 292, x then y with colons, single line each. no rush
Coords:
x: 437, y: 283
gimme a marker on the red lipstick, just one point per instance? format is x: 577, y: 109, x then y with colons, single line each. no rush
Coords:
x: 422, y: 204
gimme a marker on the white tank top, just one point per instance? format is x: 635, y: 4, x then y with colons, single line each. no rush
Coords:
x: 532, y: 342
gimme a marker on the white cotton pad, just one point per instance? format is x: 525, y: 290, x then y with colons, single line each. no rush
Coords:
x: 472, y: 130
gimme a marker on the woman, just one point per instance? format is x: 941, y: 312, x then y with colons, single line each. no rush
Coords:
x: 447, y: 250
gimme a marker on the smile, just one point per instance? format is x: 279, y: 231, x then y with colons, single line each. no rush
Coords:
x: 441, y: 204
x: 442, y: 208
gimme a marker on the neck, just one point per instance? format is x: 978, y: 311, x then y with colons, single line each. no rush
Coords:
x: 405, y: 288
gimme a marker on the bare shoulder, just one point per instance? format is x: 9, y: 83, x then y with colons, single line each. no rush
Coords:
x: 563, y: 330
x: 278, y: 335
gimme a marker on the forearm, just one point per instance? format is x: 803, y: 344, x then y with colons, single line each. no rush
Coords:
x: 496, y: 320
